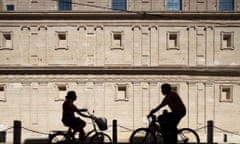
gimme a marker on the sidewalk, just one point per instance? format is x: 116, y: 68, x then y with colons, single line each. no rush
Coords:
x: 123, y: 138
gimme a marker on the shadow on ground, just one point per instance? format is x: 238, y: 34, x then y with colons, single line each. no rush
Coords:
x: 44, y: 141
x: 36, y: 141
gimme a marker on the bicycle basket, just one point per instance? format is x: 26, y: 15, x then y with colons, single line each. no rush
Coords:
x: 101, y: 123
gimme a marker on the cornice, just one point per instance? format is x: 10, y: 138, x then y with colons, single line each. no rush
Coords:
x: 125, y: 70
x: 53, y: 15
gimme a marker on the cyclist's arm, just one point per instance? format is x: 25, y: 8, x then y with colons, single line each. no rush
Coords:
x: 163, y: 103
x: 79, y: 111
x: 82, y: 114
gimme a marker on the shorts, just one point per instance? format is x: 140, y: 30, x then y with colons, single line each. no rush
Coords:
x: 73, y: 122
x: 171, y: 118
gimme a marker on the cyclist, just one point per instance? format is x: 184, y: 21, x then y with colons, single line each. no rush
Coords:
x: 169, y: 121
x: 68, y: 116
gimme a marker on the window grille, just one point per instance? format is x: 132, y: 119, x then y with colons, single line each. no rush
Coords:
x: 226, y: 5
x: 174, y: 5
x: 64, y: 4
x: 119, y: 5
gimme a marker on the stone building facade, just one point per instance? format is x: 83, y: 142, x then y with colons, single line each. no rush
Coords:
x: 116, y: 56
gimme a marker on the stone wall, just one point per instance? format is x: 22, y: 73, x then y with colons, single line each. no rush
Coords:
x: 93, y: 44
x: 106, y: 5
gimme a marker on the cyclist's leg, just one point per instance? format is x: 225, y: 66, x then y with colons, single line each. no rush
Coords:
x: 168, y: 127
x: 175, y: 119
x: 164, y: 125
x: 79, y: 126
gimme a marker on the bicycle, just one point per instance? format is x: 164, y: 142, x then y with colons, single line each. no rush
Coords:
x: 71, y: 136
x: 153, y: 134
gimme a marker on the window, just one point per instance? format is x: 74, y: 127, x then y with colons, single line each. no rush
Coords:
x: 174, y: 5
x: 6, y: 40
x: 117, y: 40
x: 226, y: 93
x: 173, y: 40
x: 62, y: 91
x: 175, y: 88
x: 226, y: 5
x: 10, y: 7
x: 34, y: 1
x: 64, y: 4
x: 2, y: 93
x: 227, y: 40
x: 121, y: 92
x: 62, y: 40
x: 119, y: 5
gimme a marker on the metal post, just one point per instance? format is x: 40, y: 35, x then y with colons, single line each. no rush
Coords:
x: 114, y: 134
x: 210, y: 132
x: 17, y: 126
x: 225, y: 138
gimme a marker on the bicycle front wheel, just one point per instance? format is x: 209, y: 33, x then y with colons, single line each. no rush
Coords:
x: 188, y: 136
x: 58, y: 139
x: 143, y: 136
x: 100, y: 138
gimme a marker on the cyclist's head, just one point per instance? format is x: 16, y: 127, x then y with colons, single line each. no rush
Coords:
x: 166, y: 88
x: 71, y: 95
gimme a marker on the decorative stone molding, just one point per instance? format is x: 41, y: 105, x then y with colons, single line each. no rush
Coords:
x: 98, y: 27
x: 153, y: 27
x: 25, y: 27
x: 82, y: 27
x: 42, y: 27
x: 136, y: 27
x: 194, y: 27
x: 211, y: 27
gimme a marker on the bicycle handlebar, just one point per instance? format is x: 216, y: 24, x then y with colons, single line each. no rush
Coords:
x: 91, y: 115
x: 151, y: 118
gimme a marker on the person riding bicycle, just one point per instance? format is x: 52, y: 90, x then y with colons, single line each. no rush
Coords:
x: 68, y: 115
x: 169, y: 121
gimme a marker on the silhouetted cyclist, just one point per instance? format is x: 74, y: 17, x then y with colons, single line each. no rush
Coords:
x: 170, y: 120
x: 68, y: 115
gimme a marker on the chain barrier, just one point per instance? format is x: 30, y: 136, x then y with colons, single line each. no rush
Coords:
x: 218, y: 128
x: 198, y: 129
x: 126, y: 128
x: 34, y: 131
x: 7, y: 129
x: 130, y: 130
x: 226, y: 131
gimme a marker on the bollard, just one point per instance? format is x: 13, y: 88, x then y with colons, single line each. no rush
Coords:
x: 210, y: 132
x: 3, y: 136
x: 225, y: 138
x: 17, y: 125
x: 114, y: 132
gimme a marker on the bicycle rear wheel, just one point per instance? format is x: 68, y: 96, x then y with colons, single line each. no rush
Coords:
x: 143, y: 136
x: 188, y: 136
x: 100, y: 138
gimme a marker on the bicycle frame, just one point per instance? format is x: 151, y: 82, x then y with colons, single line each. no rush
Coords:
x: 93, y: 125
x: 153, y: 133
x: 71, y: 132
x: 72, y: 135
x: 153, y: 124
x: 154, y: 127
